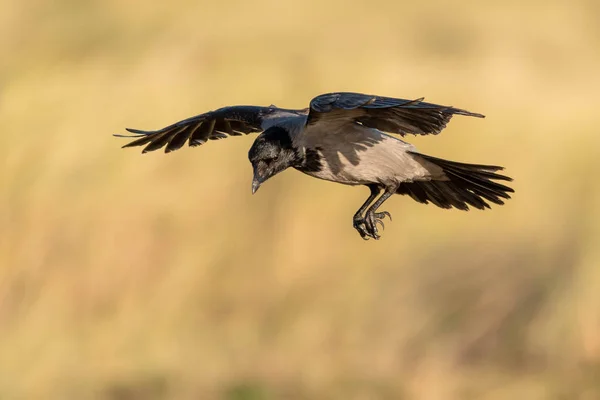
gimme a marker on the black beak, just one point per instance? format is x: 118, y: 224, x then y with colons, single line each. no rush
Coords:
x: 255, y: 185
x: 257, y: 180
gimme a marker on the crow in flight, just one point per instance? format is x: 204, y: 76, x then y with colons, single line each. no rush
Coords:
x: 340, y: 138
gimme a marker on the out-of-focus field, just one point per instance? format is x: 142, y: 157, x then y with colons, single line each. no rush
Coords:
x: 128, y: 277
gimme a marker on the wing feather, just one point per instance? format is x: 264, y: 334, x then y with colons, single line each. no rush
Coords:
x: 213, y: 125
x: 387, y: 114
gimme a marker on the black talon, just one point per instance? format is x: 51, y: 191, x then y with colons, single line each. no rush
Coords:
x: 367, y: 225
x: 383, y: 214
x: 372, y: 225
x: 360, y: 225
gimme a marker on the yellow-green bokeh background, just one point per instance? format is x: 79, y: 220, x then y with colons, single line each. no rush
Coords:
x: 126, y: 277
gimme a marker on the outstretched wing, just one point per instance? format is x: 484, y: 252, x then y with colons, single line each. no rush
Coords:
x: 387, y: 114
x: 213, y: 125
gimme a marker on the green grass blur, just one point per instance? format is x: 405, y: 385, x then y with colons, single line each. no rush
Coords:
x: 131, y: 277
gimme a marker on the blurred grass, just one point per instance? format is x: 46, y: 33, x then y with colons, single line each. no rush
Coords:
x: 146, y: 277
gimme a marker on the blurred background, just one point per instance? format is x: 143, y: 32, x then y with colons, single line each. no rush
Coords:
x: 159, y: 276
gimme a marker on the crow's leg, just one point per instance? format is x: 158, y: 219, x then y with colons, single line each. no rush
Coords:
x: 372, y: 217
x: 358, y: 220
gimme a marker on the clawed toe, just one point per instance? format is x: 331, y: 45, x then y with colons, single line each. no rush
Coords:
x: 360, y: 225
x: 383, y: 214
x: 371, y: 222
x: 367, y: 226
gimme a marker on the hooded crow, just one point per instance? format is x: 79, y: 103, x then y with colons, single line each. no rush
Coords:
x: 340, y: 138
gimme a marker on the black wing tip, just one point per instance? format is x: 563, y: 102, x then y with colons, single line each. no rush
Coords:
x: 139, y: 131
x: 459, y: 111
x: 130, y: 144
x: 420, y: 102
x: 136, y: 134
x: 469, y: 114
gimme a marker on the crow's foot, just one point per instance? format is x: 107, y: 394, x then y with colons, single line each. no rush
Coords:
x: 367, y: 226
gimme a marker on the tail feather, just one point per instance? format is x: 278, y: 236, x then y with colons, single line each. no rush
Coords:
x: 466, y: 185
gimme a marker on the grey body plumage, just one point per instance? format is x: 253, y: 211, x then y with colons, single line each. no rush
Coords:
x: 343, y: 138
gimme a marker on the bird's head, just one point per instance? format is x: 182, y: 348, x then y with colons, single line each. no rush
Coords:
x: 271, y: 153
